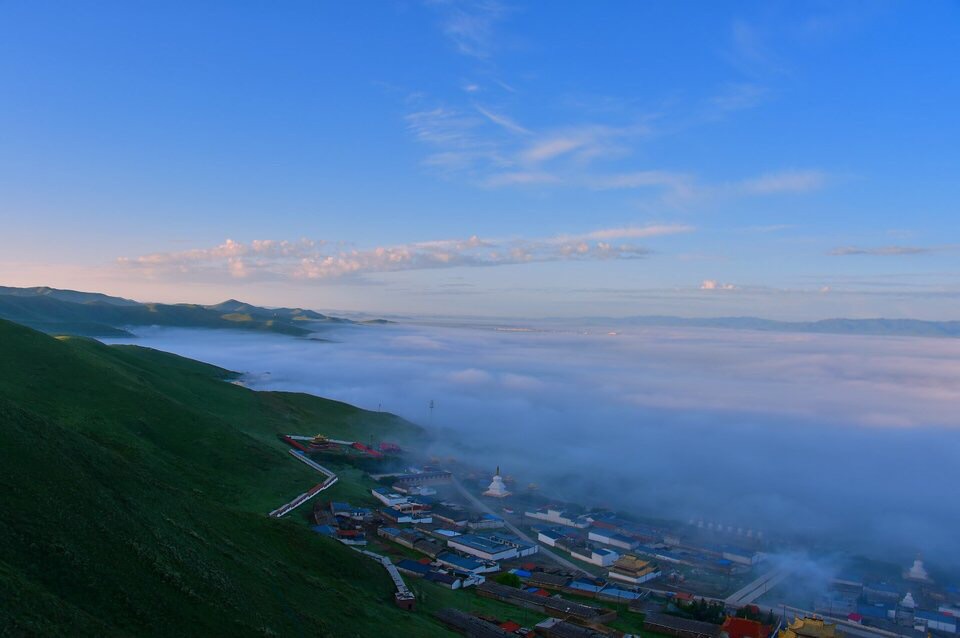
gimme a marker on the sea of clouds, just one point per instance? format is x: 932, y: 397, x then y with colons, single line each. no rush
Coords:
x: 854, y: 439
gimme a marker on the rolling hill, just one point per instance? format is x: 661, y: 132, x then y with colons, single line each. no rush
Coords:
x: 96, y: 315
x: 135, y: 488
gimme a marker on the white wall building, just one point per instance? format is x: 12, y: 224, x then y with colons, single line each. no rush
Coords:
x: 559, y: 517
x: 390, y: 499
x: 601, y: 557
x: 612, y: 538
x: 742, y: 556
x: 549, y: 537
x: 936, y: 620
x: 523, y: 548
x: 482, y: 547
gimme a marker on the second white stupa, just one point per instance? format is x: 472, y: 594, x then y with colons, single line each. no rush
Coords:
x: 496, y: 488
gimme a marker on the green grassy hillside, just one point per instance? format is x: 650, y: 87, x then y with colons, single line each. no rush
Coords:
x: 135, y: 485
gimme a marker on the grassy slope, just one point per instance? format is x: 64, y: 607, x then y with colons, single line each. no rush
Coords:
x: 135, y: 485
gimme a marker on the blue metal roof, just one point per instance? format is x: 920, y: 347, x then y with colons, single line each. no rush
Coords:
x: 509, y: 539
x: 613, y: 536
x: 873, y: 611
x: 413, y: 566
x: 480, y: 543
x: 620, y: 593
x: 585, y: 585
x: 463, y: 562
x: 935, y: 615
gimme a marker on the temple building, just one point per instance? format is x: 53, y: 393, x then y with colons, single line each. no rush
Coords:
x: 633, y: 570
x: 809, y: 628
x: 496, y: 488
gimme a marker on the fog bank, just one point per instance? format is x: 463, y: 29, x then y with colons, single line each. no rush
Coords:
x: 856, y: 439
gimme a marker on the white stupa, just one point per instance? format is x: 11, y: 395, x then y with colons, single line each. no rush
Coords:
x: 908, y: 602
x: 917, y: 572
x: 497, y: 489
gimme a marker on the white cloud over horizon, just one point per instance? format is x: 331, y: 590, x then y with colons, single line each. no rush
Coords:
x: 889, y: 251
x: 306, y: 259
x: 713, y: 284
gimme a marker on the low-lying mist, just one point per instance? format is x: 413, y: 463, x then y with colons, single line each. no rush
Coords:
x: 853, y: 440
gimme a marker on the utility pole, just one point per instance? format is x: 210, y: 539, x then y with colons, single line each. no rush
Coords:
x: 431, y: 410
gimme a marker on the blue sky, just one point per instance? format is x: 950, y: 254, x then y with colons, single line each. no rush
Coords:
x: 783, y: 159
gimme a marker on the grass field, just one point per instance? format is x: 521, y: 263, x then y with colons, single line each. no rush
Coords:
x: 135, y: 485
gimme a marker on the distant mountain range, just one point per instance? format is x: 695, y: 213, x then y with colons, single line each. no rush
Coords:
x: 98, y: 315
x: 93, y: 314
x: 889, y: 327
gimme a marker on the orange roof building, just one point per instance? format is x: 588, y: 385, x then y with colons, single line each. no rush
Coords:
x: 734, y: 627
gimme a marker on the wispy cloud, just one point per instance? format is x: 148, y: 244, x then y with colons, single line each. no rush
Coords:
x: 683, y: 189
x: 678, y: 185
x: 492, y: 149
x: 884, y: 251
x: 792, y: 181
x: 470, y: 24
x: 515, y: 178
x: 503, y: 121
x: 584, y: 142
x: 713, y: 284
x: 638, y: 232
x: 460, y: 145
x: 322, y: 260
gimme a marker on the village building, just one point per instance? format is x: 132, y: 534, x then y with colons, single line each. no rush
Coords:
x: 935, y: 621
x: 396, y: 517
x: 486, y: 521
x: 548, y: 580
x: 558, y: 628
x: 388, y: 498
x: 559, y: 517
x: 454, y: 517
x: 466, y: 564
x: 630, y: 569
x: 493, y: 547
x: 734, y: 627
x: 594, y: 556
x: 680, y: 627
x: 346, y: 510
x: 809, y: 628
x: 469, y: 625
x: 550, y: 537
x: 613, y: 539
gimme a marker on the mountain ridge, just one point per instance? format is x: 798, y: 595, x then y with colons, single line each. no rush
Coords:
x: 89, y: 314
